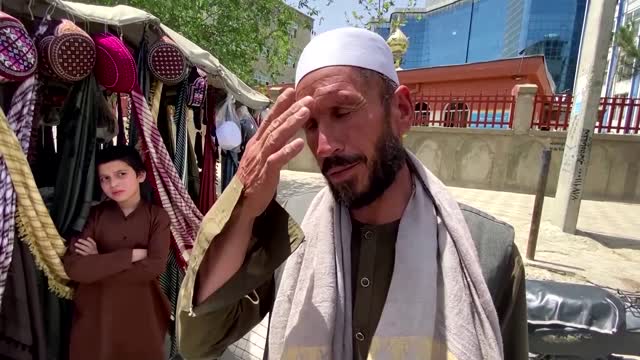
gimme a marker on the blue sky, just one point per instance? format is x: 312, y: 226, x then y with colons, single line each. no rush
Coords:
x: 334, y: 14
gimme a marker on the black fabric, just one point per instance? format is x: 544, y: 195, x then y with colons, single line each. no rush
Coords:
x: 572, y: 305
x: 22, y: 335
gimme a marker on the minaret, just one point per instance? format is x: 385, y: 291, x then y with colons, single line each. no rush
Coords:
x: 399, y: 43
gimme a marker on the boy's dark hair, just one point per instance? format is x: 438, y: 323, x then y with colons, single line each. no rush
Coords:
x: 127, y: 154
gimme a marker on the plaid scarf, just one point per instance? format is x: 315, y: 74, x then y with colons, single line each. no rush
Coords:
x: 21, y: 118
x: 185, y: 216
x: 35, y: 226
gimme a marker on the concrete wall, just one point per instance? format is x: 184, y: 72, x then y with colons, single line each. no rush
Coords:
x: 502, y: 160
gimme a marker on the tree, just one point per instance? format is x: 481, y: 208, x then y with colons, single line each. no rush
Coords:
x: 625, y: 38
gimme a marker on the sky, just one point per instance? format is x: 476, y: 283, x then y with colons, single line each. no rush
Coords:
x: 334, y: 14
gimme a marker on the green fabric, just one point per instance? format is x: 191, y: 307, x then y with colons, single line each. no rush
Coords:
x: 77, y: 145
x: 373, y: 251
x: 228, y: 315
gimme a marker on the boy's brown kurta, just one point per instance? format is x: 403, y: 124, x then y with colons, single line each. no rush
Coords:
x: 120, y: 311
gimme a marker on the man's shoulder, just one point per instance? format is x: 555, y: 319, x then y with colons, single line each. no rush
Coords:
x: 494, y: 241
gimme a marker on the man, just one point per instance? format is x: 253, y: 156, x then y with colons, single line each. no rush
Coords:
x: 388, y: 268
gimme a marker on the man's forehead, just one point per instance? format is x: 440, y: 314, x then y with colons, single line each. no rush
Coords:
x: 330, y: 81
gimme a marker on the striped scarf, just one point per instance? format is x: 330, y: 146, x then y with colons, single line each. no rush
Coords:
x: 35, y: 226
x: 171, y: 193
x: 180, y: 122
x: 21, y: 118
x: 185, y: 216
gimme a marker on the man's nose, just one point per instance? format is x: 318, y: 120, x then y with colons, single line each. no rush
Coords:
x: 328, y: 144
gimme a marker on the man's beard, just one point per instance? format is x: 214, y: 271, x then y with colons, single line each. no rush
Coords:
x: 389, y: 157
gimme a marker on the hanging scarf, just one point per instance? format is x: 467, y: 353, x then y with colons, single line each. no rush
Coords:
x: 182, y: 136
x: 208, y: 181
x: 170, y: 191
x: 21, y: 119
x: 7, y: 224
x: 74, y: 191
x: 35, y: 226
x: 438, y: 306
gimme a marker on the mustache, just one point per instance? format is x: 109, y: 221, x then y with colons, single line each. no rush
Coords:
x: 340, y: 160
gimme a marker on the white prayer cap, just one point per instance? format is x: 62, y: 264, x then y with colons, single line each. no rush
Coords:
x: 347, y: 47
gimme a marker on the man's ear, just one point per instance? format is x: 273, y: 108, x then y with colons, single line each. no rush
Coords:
x: 142, y: 176
x: 405, y: 108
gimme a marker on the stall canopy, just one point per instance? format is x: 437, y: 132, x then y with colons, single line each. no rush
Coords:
x: 131, y: 22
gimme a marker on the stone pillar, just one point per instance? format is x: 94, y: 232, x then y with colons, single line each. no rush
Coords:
x: 577, y: 150
x: 525, y: 95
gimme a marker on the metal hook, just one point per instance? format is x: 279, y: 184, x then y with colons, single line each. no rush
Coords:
x: 51, y: 9
x: 31, y: 9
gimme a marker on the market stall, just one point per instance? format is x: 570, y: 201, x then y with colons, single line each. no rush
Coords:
x: 75, y: 78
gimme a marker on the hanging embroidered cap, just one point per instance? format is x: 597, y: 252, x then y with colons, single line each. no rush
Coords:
x: 197, y: 88
x: 43, y: 56
x: 72, y: 52
x: 166, y: 62
x: 18, y: 53
x: 115, y: 67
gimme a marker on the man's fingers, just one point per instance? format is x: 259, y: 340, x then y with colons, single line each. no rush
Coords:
x: 91, y: 241
x: 284, y: 102
x: 284, y: 155
x: 287, y: 127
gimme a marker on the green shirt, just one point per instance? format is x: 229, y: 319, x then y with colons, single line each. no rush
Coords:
x: 205, y: 331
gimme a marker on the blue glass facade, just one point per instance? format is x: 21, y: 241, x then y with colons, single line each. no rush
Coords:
x: 481, y: 30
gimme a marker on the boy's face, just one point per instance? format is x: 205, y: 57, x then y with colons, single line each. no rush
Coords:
x: 119, y: 181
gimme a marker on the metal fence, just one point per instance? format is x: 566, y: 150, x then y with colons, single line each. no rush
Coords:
x: 616, y: 115
x: 467, y: 111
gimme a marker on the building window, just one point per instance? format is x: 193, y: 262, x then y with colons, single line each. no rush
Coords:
x: 293, y: 31
x: 456, y: 115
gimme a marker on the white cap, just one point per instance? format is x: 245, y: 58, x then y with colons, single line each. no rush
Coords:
x: 229, y: 135
x: 347, y: 47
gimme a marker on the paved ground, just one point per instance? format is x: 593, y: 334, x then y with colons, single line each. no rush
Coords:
x: 605, y: 251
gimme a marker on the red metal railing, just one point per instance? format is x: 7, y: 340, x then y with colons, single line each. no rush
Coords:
x: 474, y: 111
x: 618, y: 115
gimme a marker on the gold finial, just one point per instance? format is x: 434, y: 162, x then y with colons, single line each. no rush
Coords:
x: 399, y: 43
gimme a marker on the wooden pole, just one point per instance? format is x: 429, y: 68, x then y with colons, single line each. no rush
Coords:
x: 538, y: 204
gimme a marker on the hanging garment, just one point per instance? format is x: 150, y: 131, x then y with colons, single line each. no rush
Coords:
x: 182, y: 136
x: 77, y: 145
x: 209, y: 178
x: 144, y: 80
x: 185, y: 216
x: 35, y: 225
x: 193, y: 173
x: 230, y: 164
x: 20, y: 118
x: 22, y: 335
